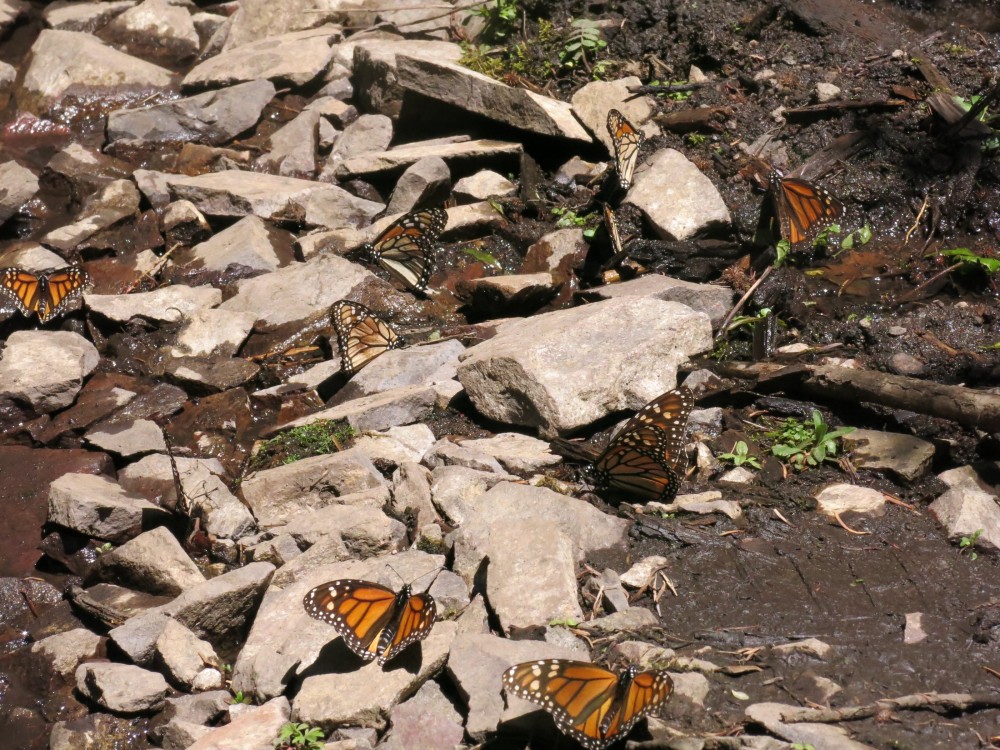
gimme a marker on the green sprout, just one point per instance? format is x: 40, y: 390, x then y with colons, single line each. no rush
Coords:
x: 299, y: 737
x: 969, y: 543
x: 740, y: 455
x: 583, y: 39
x: 499, y: 19
x: 807, y: 444
x: 863, y: 236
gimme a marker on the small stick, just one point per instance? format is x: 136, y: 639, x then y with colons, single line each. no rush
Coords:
x: 739, y: 305
x: 782, y: 518
x: 916, y: 222
x: 847, y: 528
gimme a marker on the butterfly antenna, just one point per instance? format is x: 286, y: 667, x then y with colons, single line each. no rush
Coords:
x: 436, y: 573
x: 396, y: 572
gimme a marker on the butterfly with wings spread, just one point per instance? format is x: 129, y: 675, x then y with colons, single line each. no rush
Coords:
x: 795, y: 209
x: 406, y: 249
x: 45, y: 294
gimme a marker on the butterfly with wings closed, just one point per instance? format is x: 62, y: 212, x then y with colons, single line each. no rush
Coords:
x: 594, y: 706
x: 374, y: 621
x: 406, y: 248
x: 361, y: 335
x: 643, y: 458
x: 45, y: 294
x: 795, y: 209
x: 626, y: 140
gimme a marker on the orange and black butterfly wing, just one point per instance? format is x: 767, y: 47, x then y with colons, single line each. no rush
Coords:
x: 661, y: 425
x: 412, y: 623
x: 578, y: 694
x: 358, y: 610
x: 624, y: 468
x: 59, y: 289
x: 626, y: 140
x: 802, y: 207
x: 406, y: 248
x: 22, y: 288
x: 639, y: 694
x: 361, y: 335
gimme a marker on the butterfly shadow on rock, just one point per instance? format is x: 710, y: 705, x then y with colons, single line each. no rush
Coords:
x: 336, y: 658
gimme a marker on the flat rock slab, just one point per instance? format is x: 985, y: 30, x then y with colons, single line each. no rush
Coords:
x: 770, y: 715
x: 97, y: 507
x: 418, y: 365
x: 254, y: 729
x: 19, y: 184
x: 370, y: 164
x: 592, y: 101
x: 129, y: 439
x: 153, y: 562
x: 517, y: 453
x: 714, y: 300
x: 427, y: 721
x: 67, y: 649
x: 902, y: 456
x: 169, y: 304
x: 295, y: 58
x: 839, y: 498
x: 563, y: 370
x: 392, y: 408
x: 122, y: 688
x: 45, y: 369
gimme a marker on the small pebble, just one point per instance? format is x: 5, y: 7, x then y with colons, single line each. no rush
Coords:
x: 897, y: 331
x: 905, y: 364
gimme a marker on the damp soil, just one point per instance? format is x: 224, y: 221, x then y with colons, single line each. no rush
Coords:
x: 783, y: 573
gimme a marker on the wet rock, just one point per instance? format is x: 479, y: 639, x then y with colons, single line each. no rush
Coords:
x: 292, y: 59
x: 375, y: 68
x: 138, y: 635
x: 30, y: 256
x: 712, y: 299
x: 183, y: 224
x: 74, y: 16
x: 643, y: 571
x: 447, y: 453
x: 84, y: 172
x: 222, y: 608
x: 212, y: 332
x: 298, y: 291
x: 186, y: 659
x: 496, y: 296
x: 19, y: 185
x: 593, y: 100
x: 559, y: 253
x: 808, y: 646
x: 156, y: 26
x: 839, y: 498
x: 178, y: 734
x: 456, y: 85
x: 517, y: 453
x: 913, y: 629
x: 213, y: 118
x: 210, y: 374
x: 252, y: 729
x: 97, y: 507
x: 154, y: 562
x: 122, y: 688
x: 476, y: 664
x: 427, y: 721
x: 901, y: 456
x: 633, y: 618
x: 67, y: 650
x: 117, y: 200
x: 45, y: 369
x: 82, y: 733
x: 902, y: 363
x: 168, y: 304
x: 397, y: 445
x: 237, y: 193
x: 424, y: 183
x: 277, y: 495
x: 677, y: 199
x: 456, y: 490
x: 482, y: 185
x: 392, y: 408
x: 563, y: 370
x: 964, y: 510
x: 127, y: 440
x: 705, y: 423
x: 418, y: 365
x: 285, y: 639
x: 66, y: 62
x: 373, y: 164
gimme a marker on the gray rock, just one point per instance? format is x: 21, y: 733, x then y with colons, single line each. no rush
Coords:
x: 902, y: 456
x: 427, y: 721
x: 254, y: 729
x: 237, y: 193
x: 128, y: 439
x: 362, y: 531
x: 75, y: 16
x: 277, y: 495
x: 122, y: 688
x: 902, y: 363
x: 375, y: 68
x: 826, y: 92
x: 509, y: 294
x: 839, y: 498
x: 66, y: 650
x: 482, y: 185
x: 456, y: 85
x: 277, y: 551
x: 183, y: 656
x: 563, y: 370
x: 211, y: 374
x: 643, y: 571
x: 592, y: 101
x: 154, y: 562
x: 138, y: 635
x: 117, y: 200
x: 97, y: 507
x: 447, y: 453
x: 168, y: 304
x: 259, y: 19
x: 559, y: 252
x: 285, y: 639
x: 633, y: 618
x: 392, y: 408
x: 770, y: 716
x: 450, y: 592
x: 411, y: 490
x: 964, y: 510
x: 30, y: 256
x: 738, y: 475
x: 401, y: 157
x: 209, y: 332
x: 84, y: 172
x: 367, y: 134
x: 456, y: 491
x: 913, y: 629
x: 160, y: 25
x: 45, y: 369
x: 712, y: 299
x: 809, y: 646
x: 178, y: 734
x: 293, y: 147
x: 17, y: 186
x: 677, y: 199
x: 250, y: 242
x: 974, y: 477
x: 516, y: 453
x: 397, y: 445
x: 705, y: 423
x: 608, y: 588
x: 476, y: 664
x: 293, y: 59
x: 424, y: 183
x: 63, y: 62
x: 418, y: 365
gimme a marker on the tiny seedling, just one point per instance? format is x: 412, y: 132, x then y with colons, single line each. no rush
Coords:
x: 823, y: 238
x: 749, y: 320
x: 802, y: 746
x: 582, y: 40
x: 482, y: 256
x: 567, y: 623
x: 315, y: 439
x: 781, y: 250
x: 499, y: 19
x: 570, y: 218
x: 240, y: 697
x: 807, y: 444
x: 106, y: 547
x: 968, y: 543
x: 963, y: 256
x: 695, y: 139
x: 299, y: 737
x: 740, y: 455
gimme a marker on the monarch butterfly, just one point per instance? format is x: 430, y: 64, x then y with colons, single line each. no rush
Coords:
x: 361, y: 335
x: 643, y: 458
x: 46, y: 294
x: 626, y: 141
x: 404, y: 249
x: 593, y: 705
x: 798, y: 206
x: 373, y: 620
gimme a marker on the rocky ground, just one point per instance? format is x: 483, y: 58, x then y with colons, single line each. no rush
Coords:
x: 183, y: 459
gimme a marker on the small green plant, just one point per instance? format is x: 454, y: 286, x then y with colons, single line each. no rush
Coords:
x: 567, y: 623
x: 988, y: 144
x: 499, y: 19
x: 677, y: 96
x: 966, y: 257
x: 695, y: 139
x: 432, y: 546
x: 299, y: 736
x: 569, y: 218
x: 862, y: 236
x: 823, y: 238
x: 740, y: 455
x: 781, y: 250
x: 315, y: 439
x: 582, y: 40
x: 482, y: 256
x: 802, y: 746
x: 749, y: 320
x: 240, y: 697
x: 968, y: 543
x: 104, y: 548
x: 807, y: 444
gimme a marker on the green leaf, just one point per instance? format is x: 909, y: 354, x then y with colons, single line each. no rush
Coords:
x: 848, y: 242
x: 865, y: 234
x: 482, y: 256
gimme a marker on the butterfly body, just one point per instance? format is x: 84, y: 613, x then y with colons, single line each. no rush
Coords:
x: 406, y: 249
x: 626, y: 140
x: 45, y: 294
x: 593, y: 705
x: 643, y: 458
x: 361, y: 335
x: 374, y: 621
